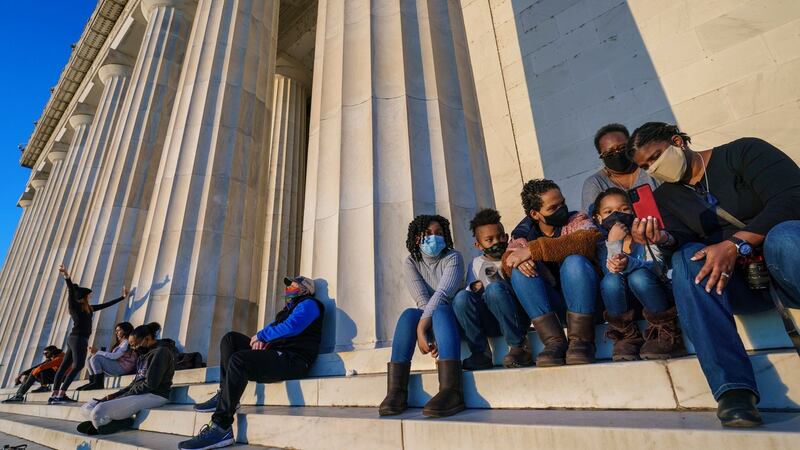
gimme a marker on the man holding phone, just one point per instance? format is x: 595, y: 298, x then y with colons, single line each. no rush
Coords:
x: 731, y: 219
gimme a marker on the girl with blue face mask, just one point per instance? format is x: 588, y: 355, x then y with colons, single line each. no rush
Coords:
x: 434, y: 273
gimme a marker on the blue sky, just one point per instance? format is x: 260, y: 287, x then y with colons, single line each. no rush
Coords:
x: 36, y: 38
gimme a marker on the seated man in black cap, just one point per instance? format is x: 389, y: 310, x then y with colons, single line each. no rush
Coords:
x: 43, y: 373
x: 283, y: 350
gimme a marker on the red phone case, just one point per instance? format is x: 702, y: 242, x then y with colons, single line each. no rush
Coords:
x: 644, y: 203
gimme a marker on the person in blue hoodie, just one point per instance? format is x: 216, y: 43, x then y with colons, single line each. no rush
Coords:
x: 283, y: 350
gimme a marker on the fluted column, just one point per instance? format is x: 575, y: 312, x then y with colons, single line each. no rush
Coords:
x: 109, y: 244
x: 10, y: 264
x: 62, y: 177
x: 286, y: 177
x: 390, y: 137
x: 195, y: 272
x: 51, y: 291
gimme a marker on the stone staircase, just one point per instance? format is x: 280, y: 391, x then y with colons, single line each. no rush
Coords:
x: 650, y: 404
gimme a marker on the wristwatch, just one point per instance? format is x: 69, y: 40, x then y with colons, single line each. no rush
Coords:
x: 743, y: 248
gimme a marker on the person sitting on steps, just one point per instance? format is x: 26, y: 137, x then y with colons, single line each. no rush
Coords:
x: 488, y: 307
x: 283, y: 350
x: 43, y: 373
x: 434, y: 273
x: 732, y: 223
x: 631, y: 272
x: 121, y: 360
x: 552, y: 264
x: 149, y: 389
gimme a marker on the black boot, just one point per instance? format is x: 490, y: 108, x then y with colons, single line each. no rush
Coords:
x: 87, y: 386
x: 87, y: 428
x: 115, y: 425
x: 450, y: 399
x: 737, y: 408
x: 396, y: 400
x: 100, y: 381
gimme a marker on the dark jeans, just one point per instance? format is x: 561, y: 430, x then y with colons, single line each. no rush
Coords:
x: 74, y: 360
x: 445, y: 334
x: 579, y: 286
x: 492, y: 312
x: 239, y: 364
x: 707, y: 318
x: 618, y: 289
x: 44, y: 377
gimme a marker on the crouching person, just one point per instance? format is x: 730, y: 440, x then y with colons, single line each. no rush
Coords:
x: 149, y: 389
x: 434, y: 273
x: 631, y: 270
x: 283, y: 350
x: 43, y: 373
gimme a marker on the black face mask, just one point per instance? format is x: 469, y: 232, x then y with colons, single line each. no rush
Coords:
x: 559, y: 217
x: 619, y: 162
x: 496, y: 251
x: 624, y: 218
x: 142, y: 350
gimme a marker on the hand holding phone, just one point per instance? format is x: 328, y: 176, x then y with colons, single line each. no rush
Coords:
x: 644, y: 204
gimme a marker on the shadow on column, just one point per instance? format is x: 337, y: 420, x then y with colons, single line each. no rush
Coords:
x: 585, y: 65
x: 338, y: 329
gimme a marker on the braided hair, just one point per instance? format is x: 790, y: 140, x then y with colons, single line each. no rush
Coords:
x: 532, y: 193
x: 654, y: 132
x: 418, y: 227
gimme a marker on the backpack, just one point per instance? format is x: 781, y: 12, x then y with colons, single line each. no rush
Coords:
x: 192, y: 360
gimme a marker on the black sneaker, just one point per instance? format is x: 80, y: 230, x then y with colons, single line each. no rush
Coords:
x: 60, y: 400
x: 478, y: 361
x: 115, y: 426
x: 210, y: 436
x: 87, y: 428
x: 16, y: 398
x: 209, y: 405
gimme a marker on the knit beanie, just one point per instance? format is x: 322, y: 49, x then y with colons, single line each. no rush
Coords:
x: 81, y: 292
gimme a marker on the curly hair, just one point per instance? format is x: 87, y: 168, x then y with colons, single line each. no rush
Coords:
x: 419, y: 225
x: 487, y: 216
x: 532, y: 193
x: 610, y: 128
x: 653, y: 132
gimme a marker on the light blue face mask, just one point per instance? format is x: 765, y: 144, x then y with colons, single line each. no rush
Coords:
x: 432, y: 245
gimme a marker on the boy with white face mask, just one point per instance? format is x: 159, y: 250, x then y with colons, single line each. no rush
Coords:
x: 758, y: 187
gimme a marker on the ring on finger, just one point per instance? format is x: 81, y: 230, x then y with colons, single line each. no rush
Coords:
x: 725, y: 275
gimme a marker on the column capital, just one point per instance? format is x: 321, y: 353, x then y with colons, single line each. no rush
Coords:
x: 25, y: 199
x: 56, y: 155
x: 109, y: 71
x: 185, y: 6
x: 77, y: 120
x: 290, y: 68
x: 38, y: 181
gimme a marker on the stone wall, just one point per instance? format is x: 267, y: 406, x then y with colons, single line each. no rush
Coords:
x: 553, y: 71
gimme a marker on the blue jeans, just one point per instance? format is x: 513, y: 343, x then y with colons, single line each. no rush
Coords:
x: 578, y: 289
x: 707, y: 318
x: 445, y: 334
x: 617, y: 289
x: 491, y: 313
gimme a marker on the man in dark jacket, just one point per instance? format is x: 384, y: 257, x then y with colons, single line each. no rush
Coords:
x: 149, y: 389
x: 43, y: 373
x: 283, y: 350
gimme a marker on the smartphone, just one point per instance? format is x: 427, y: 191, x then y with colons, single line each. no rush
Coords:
x: 644, y: 203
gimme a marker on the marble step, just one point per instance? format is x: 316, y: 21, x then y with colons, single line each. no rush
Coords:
x: 49, y: 432
x: 666, y: 385
x: 7, y: 439
x: 361, y: 428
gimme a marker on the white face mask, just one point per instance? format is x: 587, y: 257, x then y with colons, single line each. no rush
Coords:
x: 670, y: 166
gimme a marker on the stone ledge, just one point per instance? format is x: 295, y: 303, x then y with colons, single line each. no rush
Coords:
x: 662, y: 385
x: 360, y: 428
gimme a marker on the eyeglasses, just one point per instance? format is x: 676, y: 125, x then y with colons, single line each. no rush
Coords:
x: 613, y: 150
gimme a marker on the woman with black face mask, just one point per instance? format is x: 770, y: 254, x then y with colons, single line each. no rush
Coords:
x: 617, y: 171
x: 553, y: 263
x: 633, y: 271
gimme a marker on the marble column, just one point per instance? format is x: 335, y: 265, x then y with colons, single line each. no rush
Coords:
x: 108, y: 246
x: 286, y: 179
x: 195, y: 272
x: 393, y: 133
x: 114, y: 78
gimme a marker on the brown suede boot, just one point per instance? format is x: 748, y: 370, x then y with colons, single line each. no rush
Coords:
x: 625, y: 333
x: 551, y: 333
x: 663, y: 338
x: 396, y: 400
x: 517, y: 357
x: 580, y: 329
x: 450, y: 399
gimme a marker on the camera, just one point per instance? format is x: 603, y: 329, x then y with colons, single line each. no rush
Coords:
x: 756, y: 273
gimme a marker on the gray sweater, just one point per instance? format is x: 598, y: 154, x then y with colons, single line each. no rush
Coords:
x: 599, y: 182
x: 432, y: 281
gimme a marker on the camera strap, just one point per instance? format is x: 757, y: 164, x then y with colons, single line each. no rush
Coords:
x: 788, y: 323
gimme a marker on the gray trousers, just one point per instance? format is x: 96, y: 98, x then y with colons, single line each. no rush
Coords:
x: 101, y: 364
x: 101, y: 413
